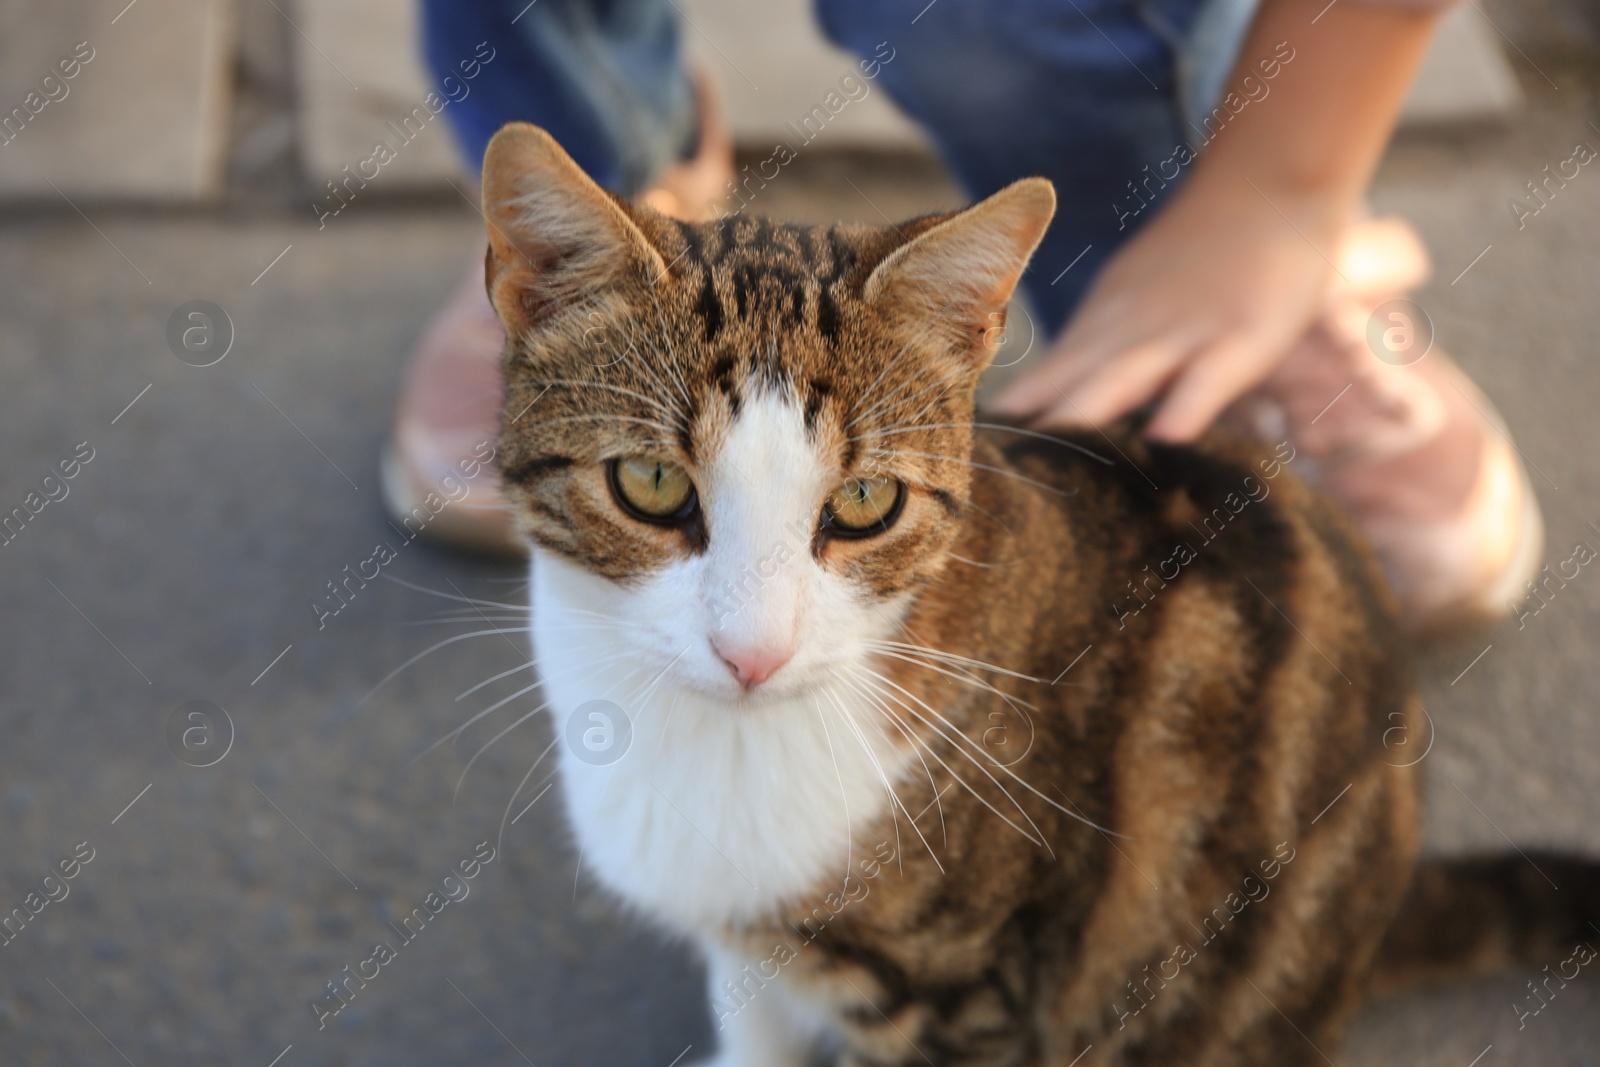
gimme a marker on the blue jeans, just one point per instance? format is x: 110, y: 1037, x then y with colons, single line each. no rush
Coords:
x: 1092, y: 94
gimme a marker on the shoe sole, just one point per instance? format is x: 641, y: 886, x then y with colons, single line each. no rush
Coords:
x: 483, y: 531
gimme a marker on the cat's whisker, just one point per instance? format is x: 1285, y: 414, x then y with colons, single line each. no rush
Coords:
x: 866, y: 394
x: 888, y: 689
x: 991, y: 516
x: 828, y: 691
x: 587, y: 665
x: 844, y: 796
x: 521, y: 617
x: 572, y: 628
x: 1008, y: 771
x: 601, y: 620
x: 428, y: 652
x: 891, y: 431
x: 660, y: 407
x: 881, y: 410
x: 671, y: 363
x: 1037, y: 837
x: 641, y: 346
x: 967, y: 663
x: 975, y: 683
x: 894, y: 798
x: 667, y: 432
x: 943, y: 383
x: 918, y: 745
x: 530, y: 665
x: 490, y: 743
x: 910, y: 735
x: 856, y: 413
x: 921, y: 414
x: 975, y: 465
x: 1015, y: 703
x: 979, y: 563
x: 944, y: 724
x: 457, y: 613
x: 952, y: 657
x: 473, y: 619
x: 567, y: 609
x: 894, y: 720
x: 457, y: 731
x: 963, y: 676
x: 667, y: 726
x: 452, y: 596
x: 500, y: 840
x: 640, y: 700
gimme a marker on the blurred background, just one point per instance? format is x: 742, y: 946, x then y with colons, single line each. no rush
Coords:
x: 248, y: 848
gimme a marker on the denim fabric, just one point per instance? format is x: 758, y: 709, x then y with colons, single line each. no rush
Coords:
x: 1083, y: 92
x: 1206, y: 56
x: 605, y: 77
x: 1091, y: 94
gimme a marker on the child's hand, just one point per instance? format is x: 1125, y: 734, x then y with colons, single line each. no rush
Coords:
x: 1196, y: 309
x: 1205, y: 301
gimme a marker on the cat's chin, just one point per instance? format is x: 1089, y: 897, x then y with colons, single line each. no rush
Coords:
x: 776, y: 692
x: 717, y: 813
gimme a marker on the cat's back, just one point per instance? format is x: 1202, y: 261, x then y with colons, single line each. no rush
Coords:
x: 1127, y: 539
x: 1179, y: 681
x: 1199, y: 616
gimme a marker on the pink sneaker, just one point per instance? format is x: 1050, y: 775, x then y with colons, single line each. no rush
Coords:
x: 447, y: 423
x: 1405, y: 441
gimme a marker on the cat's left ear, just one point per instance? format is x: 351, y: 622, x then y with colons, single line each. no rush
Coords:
x: 555, y: 237
x: 957, y: 276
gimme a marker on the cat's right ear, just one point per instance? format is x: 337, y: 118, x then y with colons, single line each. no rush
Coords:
x: 954, y: 279
x: 553, y: 233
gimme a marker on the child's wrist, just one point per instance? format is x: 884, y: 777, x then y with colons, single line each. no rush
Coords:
x: 1310, y: 208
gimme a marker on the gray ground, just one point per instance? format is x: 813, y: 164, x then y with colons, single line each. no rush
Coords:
x: 187, y: 554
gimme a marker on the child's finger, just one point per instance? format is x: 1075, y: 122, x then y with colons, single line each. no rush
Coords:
x: 1044, y: 383
x: 1118, y: 385
x: 1207, y: 385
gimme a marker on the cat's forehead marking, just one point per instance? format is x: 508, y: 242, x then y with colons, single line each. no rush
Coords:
x: 753, y: 268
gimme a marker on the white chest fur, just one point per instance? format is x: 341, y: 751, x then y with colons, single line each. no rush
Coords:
x: 718, y: 812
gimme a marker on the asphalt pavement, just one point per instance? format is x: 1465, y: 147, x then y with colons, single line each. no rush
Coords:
x: 183, y: 559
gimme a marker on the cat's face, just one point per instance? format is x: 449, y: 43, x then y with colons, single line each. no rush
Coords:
x: 746, y: 443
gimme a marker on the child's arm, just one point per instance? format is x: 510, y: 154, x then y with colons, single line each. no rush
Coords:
x: 1203, y: 303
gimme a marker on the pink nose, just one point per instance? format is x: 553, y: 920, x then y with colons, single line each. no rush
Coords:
x: 752, y: 666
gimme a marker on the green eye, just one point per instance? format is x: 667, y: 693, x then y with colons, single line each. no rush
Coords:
x: 653, y: 489
x: 863, y: 506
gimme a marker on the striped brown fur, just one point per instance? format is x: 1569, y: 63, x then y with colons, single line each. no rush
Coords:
x: 1186, y: 849
x: 1208, y: 733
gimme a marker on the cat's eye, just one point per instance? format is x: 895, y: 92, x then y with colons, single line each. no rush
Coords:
x: 862, y: 506
x: 656, y: 490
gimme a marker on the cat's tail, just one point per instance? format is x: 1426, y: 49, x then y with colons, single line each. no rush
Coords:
x: 1477, y: 914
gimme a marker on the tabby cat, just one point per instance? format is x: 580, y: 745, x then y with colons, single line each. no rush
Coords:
x: 951, y: 742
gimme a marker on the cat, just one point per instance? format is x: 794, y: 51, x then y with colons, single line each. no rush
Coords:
x: 949, y: 741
